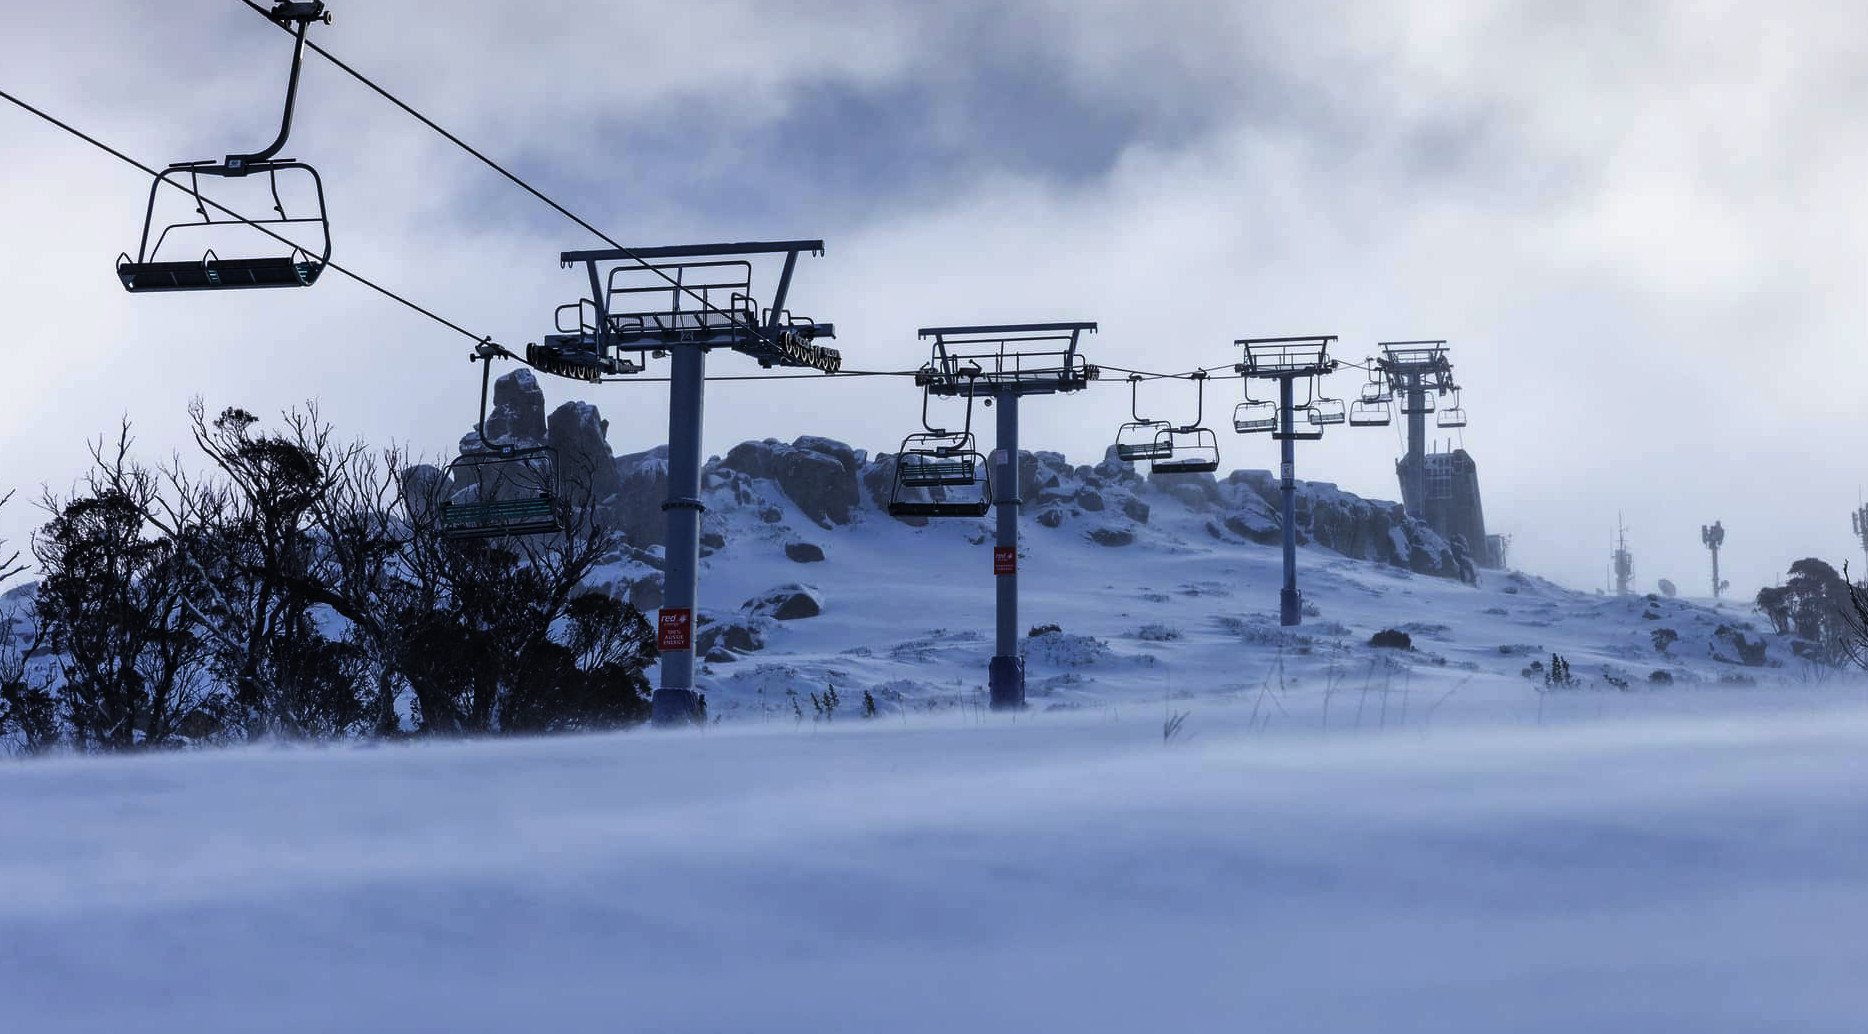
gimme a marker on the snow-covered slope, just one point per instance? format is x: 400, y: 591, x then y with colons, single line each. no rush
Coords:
x: 1172, y: 604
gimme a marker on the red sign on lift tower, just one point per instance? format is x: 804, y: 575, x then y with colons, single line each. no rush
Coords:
x: 674, y: 629
x: 1004, y: 560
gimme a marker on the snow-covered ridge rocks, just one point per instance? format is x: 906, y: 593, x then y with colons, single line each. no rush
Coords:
x: 833, y: 485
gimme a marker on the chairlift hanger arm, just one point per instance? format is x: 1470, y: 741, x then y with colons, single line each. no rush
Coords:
x: 284, y: 14
x: 1199, y: 412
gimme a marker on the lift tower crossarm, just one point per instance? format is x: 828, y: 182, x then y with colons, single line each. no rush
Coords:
x: 685, y: 296
x: 1010, y: 359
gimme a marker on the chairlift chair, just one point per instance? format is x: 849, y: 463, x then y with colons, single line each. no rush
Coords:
x: 1453, y: 415
x: 1304, y: 425
x: 1327, y: 412
x: 1376, y: 391
x: 1427, y: 404
x: 298, y: 266
x: 1255, y: 417
x: 942, y: 463
x: 1190, y: 449
x: 513, y: 490
x: 511, y: 494
x: 1138, y: 438
x: 1367, y: 413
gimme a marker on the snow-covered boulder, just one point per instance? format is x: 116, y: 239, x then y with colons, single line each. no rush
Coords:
x: 786, y: 603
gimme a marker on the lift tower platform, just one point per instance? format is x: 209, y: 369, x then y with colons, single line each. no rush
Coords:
x: 1000, y: 365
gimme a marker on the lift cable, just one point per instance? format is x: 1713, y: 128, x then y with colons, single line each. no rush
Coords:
x: 482, y: 338
x: 503, y: 171
x: 358, y: 277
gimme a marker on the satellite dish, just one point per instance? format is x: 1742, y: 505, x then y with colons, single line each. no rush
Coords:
x: 1668, y: 589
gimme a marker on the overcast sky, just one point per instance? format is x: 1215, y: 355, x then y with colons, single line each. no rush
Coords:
x: 1639, y: 225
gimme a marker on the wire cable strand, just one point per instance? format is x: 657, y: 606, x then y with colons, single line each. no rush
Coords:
x: 358, y: 277
x: 627, y: 253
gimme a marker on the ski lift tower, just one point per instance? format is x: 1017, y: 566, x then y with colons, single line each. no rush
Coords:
x: 1414, y: 368
x: 1002, y: 364
x: 1712, y: 538
x: 1859, y: 520
x: 1623, y: 560
x: 1288, y: 360
x: 681, y: 302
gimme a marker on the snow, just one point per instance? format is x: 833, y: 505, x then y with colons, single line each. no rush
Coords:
x: 1340, y: 838
x: 942, y: 873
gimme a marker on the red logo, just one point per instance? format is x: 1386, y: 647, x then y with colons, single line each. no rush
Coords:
x: 1004, y: 560
x: 674, y: 628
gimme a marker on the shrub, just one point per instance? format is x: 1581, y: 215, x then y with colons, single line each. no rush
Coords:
x: 1392, y: 639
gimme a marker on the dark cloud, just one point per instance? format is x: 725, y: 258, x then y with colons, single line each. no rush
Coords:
x: 1639, y: 223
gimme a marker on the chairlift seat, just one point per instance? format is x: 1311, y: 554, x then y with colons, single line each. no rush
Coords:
x: 1370, y: 414
x: 1451, y: 417
x: 1138, y: 440
x: 1326, y: 412
x: 498, y: 518
x: 941, y: 508
x: 1427, y: 404
x: 1300, y: 432
x: 511, y: 494
x: 943, y: 460
x: 1185, y: 465
x: 218, y: 274
x: 1255, y: 417
x: 1190, y: 450
x: 1143, y: 451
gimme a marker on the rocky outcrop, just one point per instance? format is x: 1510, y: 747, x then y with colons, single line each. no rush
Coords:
x: 786, y: 603
x: 586, y: 467
x: 636, y: 509
x: 1336, y: 520
x: 518, y: 411
x: 819, y: 475
x: 828, y: 482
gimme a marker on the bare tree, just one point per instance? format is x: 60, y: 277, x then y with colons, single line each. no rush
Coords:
x: 112, y: 607
x: 28, y: 710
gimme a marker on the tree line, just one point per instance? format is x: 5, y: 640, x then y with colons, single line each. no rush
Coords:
x: 298, y: 587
